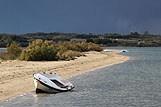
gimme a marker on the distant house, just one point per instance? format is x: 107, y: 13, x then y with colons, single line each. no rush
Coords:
x: 78, y: 40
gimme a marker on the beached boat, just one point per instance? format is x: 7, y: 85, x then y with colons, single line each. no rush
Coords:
x: 50, y: 83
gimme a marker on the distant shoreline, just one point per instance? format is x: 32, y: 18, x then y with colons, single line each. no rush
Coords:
x: 16, y: 76
x: 133, y: 39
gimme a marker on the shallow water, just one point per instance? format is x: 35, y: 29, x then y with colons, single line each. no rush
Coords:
x: 135, y: 83
x: 2, y: 50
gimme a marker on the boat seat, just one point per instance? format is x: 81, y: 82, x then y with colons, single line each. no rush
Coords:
x: 59, y: 84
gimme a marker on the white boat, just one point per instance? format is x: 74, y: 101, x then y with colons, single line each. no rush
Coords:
x: 124, y: 51
x: 107, y: 50
x: 50, y: 83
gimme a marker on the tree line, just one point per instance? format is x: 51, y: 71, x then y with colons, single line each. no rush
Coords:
x: 106, y: 39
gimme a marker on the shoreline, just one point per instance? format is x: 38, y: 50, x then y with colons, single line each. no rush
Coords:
x: 16, y: 76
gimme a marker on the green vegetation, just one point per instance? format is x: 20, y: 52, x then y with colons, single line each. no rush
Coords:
x: 70, y: 50
x: 108, y: 39
x: 43, y: 50
x: 39, y: 50
x: 79, y: 46
x: 68, y: 55
x: 13, y: 52
x: 66, y: 46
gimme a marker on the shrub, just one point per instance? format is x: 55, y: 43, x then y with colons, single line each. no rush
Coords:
x: 4, y: 56
x: 14, y: 48
x: 13, y: 51
x: 39, y: 50
x: 68, y: 55
x: 68, y: 46
x: 79, y: 46
x: 94, y: 47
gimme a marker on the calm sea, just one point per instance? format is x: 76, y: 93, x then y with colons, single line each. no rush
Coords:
x: 2, y: 50
x: 135, y: 83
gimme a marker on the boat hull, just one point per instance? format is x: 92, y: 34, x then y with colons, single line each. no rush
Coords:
x: 43, y: 88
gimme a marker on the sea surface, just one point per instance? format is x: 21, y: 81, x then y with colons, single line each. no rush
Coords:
x: 2, y: 50
x: 135, y: 83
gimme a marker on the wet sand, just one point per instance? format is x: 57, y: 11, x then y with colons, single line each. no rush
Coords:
x: 16, y: 76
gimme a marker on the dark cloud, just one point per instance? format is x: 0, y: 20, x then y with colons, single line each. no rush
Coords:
x: 20, y: 16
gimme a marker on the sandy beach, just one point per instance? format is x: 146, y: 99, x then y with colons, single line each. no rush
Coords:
x: 16, y: 76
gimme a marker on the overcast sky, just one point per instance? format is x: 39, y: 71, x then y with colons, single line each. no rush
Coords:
x: 82, y: 16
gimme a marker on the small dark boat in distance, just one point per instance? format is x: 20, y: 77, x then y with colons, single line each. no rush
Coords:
x: 50, y: 83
